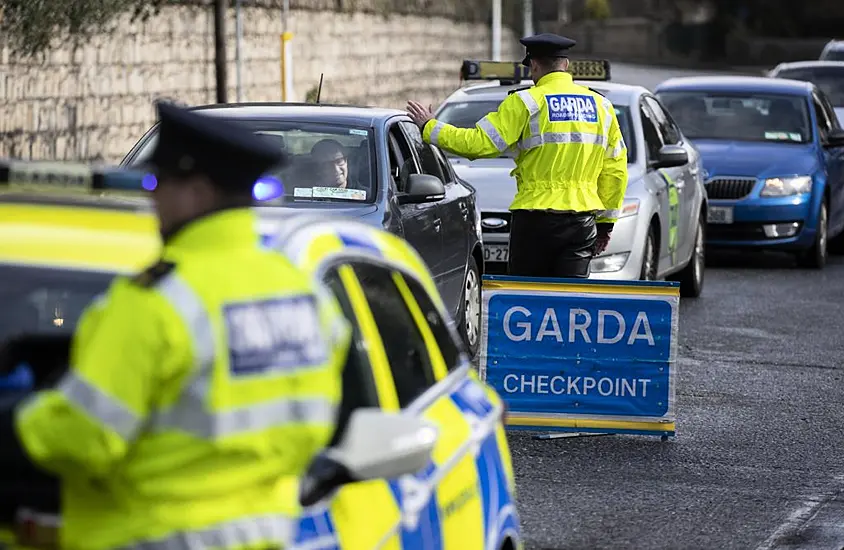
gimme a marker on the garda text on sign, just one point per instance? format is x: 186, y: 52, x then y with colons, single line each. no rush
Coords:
x: 581, y: 354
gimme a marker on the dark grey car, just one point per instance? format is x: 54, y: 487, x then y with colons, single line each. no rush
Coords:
x: 371, y: 164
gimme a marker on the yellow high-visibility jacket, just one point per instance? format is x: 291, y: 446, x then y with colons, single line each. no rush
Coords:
x: 572, y: 156
x: 197, y: 393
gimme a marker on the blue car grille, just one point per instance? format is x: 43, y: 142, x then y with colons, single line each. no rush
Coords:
x: 729, y: 188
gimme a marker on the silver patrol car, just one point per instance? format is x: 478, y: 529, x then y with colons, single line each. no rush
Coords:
x: 660, y: 233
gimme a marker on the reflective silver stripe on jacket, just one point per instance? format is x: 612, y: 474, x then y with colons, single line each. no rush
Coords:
x: 277, y: 531
x: 191, y: 412
x: 435, y: 132
x: 611, y: 214
x: 562, y: 137
x: 615, y: 152
x: 99, y: 406
x: 492, y: 132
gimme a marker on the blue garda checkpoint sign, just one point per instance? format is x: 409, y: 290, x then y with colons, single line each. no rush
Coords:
x: 582, y: 355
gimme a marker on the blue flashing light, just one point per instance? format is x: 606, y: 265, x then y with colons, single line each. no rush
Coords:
x: 267, y: 188
x: 149, y: 182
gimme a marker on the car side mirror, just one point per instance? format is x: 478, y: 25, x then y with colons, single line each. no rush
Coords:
x: 375, y: 445
x: 421, y: 188
x: 834, y: 139
x: 670, y: 156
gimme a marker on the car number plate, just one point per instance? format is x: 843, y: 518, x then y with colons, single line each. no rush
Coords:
x: 496, y: 253
x: 719, y: 214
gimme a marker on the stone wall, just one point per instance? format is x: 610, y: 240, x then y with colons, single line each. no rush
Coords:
x: 95, y: 103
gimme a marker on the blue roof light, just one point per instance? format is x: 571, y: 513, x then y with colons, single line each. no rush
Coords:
x: 267, y: 188
x: 149, y: 182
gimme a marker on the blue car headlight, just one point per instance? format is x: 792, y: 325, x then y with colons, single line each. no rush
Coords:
x: 786, y: 187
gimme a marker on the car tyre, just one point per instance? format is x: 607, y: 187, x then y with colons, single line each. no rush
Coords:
x: 650, y: 257
x: 691, y: 277
x: 817, y: 255
x: 470, y: 309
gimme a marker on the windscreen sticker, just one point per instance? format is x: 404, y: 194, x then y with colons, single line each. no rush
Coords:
x: 269, y: 337
x: 783, y: 136
x: 572, y: 108
x: 339, y: 193
x: 306, y: 192
x: 356, y: 132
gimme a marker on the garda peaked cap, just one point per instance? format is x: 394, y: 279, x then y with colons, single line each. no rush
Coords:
x: 545, y: 45
x: 227, y: 152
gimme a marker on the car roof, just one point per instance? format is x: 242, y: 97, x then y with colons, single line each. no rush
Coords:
x: 814, y: 64
x: 752, y: 84
x: 835, y: 43
x: 622, y: 94
x: 67, y: 232
x: 302, y: 112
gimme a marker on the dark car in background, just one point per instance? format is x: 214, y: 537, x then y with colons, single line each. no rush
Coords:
x: 826, y: 75
x: 371, y: 164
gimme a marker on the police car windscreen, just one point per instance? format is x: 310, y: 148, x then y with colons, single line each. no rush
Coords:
x: 330, y: 163
x: 828, y: 79
x: 466, y: 114
x: 41, y: 300
x: 740, y: 117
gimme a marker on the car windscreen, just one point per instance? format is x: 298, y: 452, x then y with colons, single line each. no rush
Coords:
x: 465, y: 114
x: 329, y: 162
x: 828, y: 79
x: 834, y: 55
x: 45, y: 301
x: 740, y: 116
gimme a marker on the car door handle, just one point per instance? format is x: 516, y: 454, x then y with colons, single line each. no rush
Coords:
x: 438, y: 225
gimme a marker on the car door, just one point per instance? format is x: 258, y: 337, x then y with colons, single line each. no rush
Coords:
x: 454, y: 215
x: 660, y: 184
x: 833, y: 159
x: 681, y: 184
x: 421, y: 223
x: 446, y: 501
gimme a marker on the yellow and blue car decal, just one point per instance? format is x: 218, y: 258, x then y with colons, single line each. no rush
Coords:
x: 466, y: 497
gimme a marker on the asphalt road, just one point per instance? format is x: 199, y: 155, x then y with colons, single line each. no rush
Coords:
x: 757, y: 461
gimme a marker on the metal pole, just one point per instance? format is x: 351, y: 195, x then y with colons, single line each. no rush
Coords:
x: 527, y: 14
x: 286, y: 55
x: 220, y: 49
x: 496, y: 30
x: 237, y: 46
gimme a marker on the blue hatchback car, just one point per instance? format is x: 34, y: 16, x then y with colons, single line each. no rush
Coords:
x: 773, y: 151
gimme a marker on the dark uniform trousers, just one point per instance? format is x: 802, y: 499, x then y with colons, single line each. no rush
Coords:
x: 551, y: 244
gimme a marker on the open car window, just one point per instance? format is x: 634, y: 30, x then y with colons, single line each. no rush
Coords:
x: 329, y: 162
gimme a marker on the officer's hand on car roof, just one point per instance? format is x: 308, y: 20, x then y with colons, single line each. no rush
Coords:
x: 419, y: 113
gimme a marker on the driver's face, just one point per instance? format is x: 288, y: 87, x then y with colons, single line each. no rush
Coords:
x: 334, y: 169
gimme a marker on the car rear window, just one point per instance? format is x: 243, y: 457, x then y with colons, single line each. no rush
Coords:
x: 465, y: 114
x: 330, y: 162
x: 740, y: 116
x: 829, y: 79
x: 44, y: 301
x: 834, y: 54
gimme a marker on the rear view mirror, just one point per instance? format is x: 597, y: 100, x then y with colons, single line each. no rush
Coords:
x: 421, y: 188
x: 376, y: 445
x: 670, y: 156
x: 835, y: 139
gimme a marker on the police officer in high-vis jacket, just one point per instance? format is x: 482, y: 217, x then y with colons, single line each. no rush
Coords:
x: 201, y: 388
x: 571, y: 167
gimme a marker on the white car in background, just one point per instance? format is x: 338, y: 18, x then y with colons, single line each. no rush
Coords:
x: 826, y: 75
x: 661, y: 230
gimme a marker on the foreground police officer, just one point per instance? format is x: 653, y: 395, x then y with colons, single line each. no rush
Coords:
x: 571, y: 169
x: 199, y: 386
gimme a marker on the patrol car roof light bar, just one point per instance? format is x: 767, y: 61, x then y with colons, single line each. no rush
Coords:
x: 70, y: 176
x: 513, y: 72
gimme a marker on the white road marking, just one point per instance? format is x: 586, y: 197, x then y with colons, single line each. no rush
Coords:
x: 807, y: 515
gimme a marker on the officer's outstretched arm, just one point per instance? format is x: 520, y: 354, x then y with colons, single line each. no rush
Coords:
x: 87, y: 423
x: 612, y: 182
x: 491, y: 136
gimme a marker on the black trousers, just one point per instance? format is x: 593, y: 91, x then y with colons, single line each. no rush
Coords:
x: 551, y: 244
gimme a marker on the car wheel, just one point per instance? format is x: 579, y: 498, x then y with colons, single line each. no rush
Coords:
x: 650, y: 259
x: 691, y: 277
x: 470, y: 309
x: 816, y: 256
